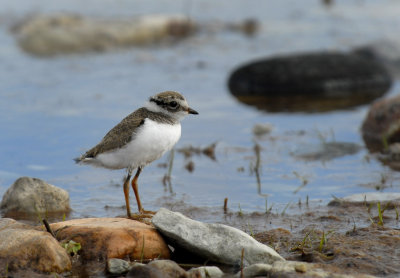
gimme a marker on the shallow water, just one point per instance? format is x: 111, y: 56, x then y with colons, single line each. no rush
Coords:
x: 53, y: 109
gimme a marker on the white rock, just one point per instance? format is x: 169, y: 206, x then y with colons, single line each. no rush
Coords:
x: 31, y: 195
x: 206, y: 272
x: 216, y: 242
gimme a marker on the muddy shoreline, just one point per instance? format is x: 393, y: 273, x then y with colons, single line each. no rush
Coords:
x: 342, y: 239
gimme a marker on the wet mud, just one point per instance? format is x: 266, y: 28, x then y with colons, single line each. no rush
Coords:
x: 340, y: 238
x: 367, y: 250
x: 348, y: 240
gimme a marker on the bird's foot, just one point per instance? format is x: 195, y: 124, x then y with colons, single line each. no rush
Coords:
x: 142, y: 211
x: 143, y: 216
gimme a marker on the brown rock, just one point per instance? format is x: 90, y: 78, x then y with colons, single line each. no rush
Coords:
x: 22, y: 247
x: 382, y: 123
x: 105, y: 238
x: 169, y: 268
x: 144, y: 271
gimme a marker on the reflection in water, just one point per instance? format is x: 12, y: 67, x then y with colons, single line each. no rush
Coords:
x: 256, y: 169
x: 167, y: 177
x: 326, y: 151
x: 65, y: 103
x: 305, y: 103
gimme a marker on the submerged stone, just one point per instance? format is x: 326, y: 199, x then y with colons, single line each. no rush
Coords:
x: 326, y: 151
x: 369, y: 198
x: 381, y: 126
x: 310, y: 82
x: 48, y: 35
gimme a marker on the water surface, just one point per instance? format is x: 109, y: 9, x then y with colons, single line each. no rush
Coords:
x: 53, y: 109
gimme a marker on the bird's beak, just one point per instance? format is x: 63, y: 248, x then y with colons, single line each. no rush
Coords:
x: 192, y: 111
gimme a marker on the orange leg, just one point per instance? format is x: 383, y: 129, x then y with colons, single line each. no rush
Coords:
x: 126, y: 192
x: 136, y: 191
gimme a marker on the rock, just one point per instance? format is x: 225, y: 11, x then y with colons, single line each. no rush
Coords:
x: 168, y: 268
x: 302, y: 269
x: 33, y: 196
x: 145, y: 271
x: 386, y: 51
x: 293, y: 269
x: 248, y: 26
x: 369, y: 198
x: 118, y: 266
x: 206, y: 272
x: 216, y: 242
x: 8, y: 223
x: 23, y: 247
x: 49, y: 35
x: 262, y: 129
x: 312, y: 82
x: 105, y: 238
x: 256, y: 270
x: 381, y: 126
x: 390, y: 156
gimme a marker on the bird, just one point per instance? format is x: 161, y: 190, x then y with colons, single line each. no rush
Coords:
x: 139, y: 139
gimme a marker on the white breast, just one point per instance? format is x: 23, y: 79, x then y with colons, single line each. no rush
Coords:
x: 150, y: 142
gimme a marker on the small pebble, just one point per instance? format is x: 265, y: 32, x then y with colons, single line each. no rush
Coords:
x: 262, y: 129
x: 300, y: 268
x: 206, y: 271
x: 117, y: 266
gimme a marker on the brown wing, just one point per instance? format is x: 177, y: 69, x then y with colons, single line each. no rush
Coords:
x: 119, y: 135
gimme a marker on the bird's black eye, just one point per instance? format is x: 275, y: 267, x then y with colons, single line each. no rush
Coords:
x: 173, y: 104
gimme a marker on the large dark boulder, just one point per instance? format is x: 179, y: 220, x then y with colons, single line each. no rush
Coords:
x: 311, y: 82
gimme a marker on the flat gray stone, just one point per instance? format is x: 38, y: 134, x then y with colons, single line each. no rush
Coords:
x: 31, y: 195
x: 216, y: 242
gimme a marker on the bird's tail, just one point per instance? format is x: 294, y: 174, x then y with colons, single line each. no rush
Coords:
x: 78, y: 159
x: 83, y: 159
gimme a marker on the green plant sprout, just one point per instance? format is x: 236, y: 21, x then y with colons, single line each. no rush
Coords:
x: 71, y: 247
